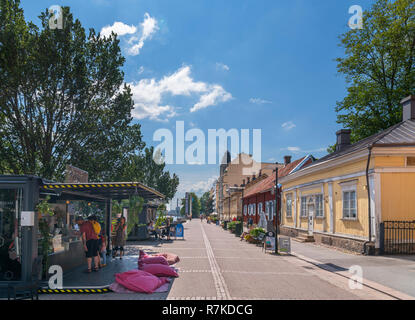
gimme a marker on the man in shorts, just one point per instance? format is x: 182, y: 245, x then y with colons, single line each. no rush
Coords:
x: 90, y: 242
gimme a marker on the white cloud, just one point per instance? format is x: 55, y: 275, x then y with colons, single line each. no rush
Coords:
x: 141, y: 70
x: 198, y: 186
x: 217, y: 94
x: 299, y: 150
x: 140, y: 33
x: 288, y: 125
x: 148, y: 28
x: 259, y: 101
x: 118, y: 28
x: 222, y: 66
x: 148, y: 94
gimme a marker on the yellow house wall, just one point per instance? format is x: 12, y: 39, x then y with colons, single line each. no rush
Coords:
x: 398, y: 196
x: 358, y: 227
x: 287, y: 220
x: 389, y: 161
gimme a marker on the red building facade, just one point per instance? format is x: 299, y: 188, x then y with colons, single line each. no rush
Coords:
x: 259, y: 194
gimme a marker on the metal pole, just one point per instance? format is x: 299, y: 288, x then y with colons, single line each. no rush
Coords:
x: 276, y: 209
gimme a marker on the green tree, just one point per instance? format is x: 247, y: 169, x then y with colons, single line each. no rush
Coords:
x: 195, y: 206
x: 144, y: 168
x: 206, y: 203
x: 63, y: 98
x: 379, y: 66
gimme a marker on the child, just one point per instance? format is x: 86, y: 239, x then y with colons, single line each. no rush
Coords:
x: 103, y: 250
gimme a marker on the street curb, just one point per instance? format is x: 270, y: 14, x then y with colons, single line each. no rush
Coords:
x: 367, y: 283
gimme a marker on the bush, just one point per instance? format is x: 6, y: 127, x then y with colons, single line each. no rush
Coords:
x: 256, y: 232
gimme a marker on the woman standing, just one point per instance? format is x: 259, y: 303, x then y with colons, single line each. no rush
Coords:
x: 119, y: 240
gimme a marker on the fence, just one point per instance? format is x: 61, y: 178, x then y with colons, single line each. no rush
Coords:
x: 397, y: 237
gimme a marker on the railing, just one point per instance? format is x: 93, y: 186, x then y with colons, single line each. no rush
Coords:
x: 397, y: 237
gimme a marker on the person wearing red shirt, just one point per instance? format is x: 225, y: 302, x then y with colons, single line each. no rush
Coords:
x: 90, y: 242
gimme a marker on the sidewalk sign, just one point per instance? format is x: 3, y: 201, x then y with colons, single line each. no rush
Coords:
x: 270, y: 241
x: 179, y: 230
x: 285, y: 244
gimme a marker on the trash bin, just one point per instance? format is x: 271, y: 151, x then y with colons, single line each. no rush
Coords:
x: 238, y: 229
x: 217, y: 222
x: 225, y: 225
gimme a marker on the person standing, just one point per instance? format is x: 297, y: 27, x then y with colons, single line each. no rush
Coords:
x: 103, y: 249
x: 119, y: 241
x: 90, y: 242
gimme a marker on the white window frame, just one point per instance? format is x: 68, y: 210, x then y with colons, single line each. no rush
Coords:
x: 260, y: 207
x: 245, y: 210
x: 318, y: 209
x: 289, y: 205
x: 303, y: 207
x: 348, y: 187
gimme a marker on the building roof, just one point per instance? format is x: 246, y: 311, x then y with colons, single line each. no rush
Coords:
x: 400, y: 134
x: 269, y: 182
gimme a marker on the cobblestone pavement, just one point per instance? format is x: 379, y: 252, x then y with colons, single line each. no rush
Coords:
x: 216, y: 265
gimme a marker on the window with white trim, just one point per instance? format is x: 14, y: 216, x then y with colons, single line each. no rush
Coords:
x: 245, y: 210
x: 253, y: 209
x: 260, y: 207
x: 267, y: 209
x: 303, y: 212
x: 289, y: 202
x: 319, y: 206
x: 349, y: 204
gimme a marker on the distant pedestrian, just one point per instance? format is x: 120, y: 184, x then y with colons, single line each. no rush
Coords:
x: 119, y: 241
x: 250, y: 222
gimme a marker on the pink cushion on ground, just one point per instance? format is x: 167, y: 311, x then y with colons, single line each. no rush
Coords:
x: 143, y: 254
x: 159, y: 270
x: 139, y: 281
x: 171, y: 257
x: 153, y: 260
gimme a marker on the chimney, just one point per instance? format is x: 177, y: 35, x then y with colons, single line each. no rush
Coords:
x: 408, y: 108
x: 287, y: 160
x: 343, y: 139
x: 260, y: 173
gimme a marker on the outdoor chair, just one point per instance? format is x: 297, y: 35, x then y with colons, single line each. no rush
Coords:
x: 21, y: 291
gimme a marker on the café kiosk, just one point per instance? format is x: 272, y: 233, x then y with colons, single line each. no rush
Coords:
x: 19, y: 221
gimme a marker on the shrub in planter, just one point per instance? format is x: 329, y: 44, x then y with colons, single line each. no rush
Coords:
x: 256, y: 232
x: 232, y: 226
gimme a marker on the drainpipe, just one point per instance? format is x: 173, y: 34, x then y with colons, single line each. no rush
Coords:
x: 368, y: 195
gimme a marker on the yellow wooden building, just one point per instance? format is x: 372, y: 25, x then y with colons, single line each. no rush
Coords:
x: 342, y: 198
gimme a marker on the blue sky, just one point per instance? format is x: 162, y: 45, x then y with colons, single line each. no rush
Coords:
x: 266, y: 64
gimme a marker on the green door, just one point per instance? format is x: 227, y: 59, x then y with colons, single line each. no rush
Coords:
x: 10, y: 235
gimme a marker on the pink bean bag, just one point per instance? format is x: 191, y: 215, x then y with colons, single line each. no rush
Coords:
x: 139, y: 281
x: 143, y: 254
x: 159, y: 270
x: 170, y: 257
x: 153, y: 260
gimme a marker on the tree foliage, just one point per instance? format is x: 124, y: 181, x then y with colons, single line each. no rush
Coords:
x: 379, y: 66
x: 63, y: 100
x: 195, y: 206
x: 206, y: 203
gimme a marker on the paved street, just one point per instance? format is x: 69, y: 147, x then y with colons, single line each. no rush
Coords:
x: 217, y: 265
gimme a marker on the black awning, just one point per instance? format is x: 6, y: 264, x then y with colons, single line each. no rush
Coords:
x: 100, y: 190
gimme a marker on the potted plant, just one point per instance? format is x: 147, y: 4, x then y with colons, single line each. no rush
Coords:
x: 44, y: 210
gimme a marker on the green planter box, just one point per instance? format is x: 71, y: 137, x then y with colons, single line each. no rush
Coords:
x: 238, y: 229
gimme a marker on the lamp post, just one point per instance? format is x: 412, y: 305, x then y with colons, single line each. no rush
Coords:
x: 276, y: 209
